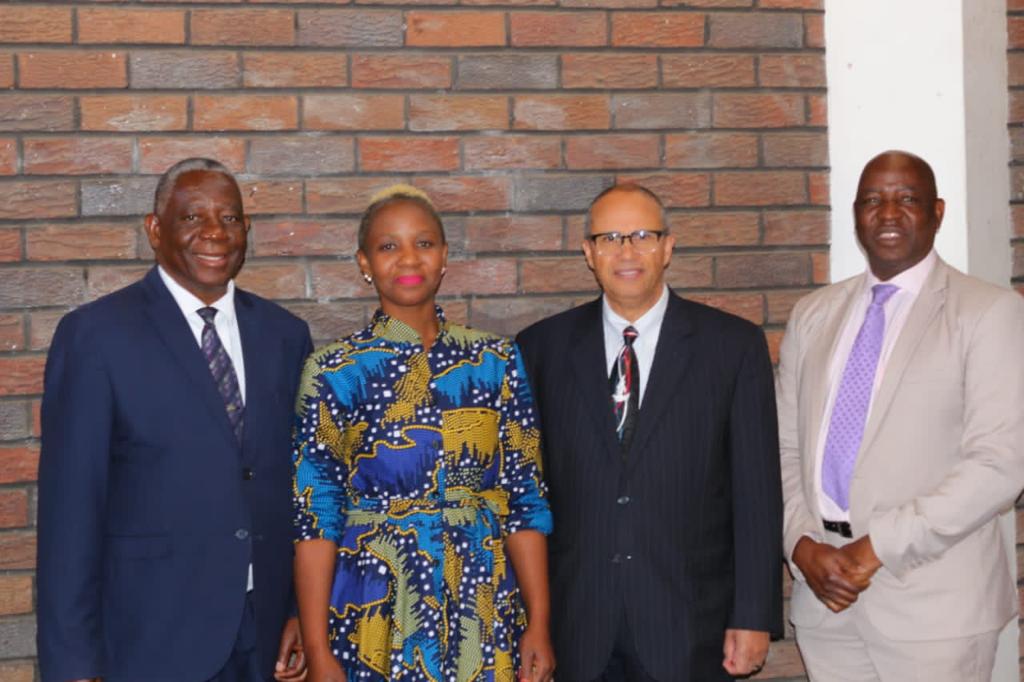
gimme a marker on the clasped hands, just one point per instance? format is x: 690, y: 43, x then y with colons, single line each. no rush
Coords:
x: 837, y: 575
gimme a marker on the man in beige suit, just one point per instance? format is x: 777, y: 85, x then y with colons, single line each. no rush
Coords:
x: 901, y: 417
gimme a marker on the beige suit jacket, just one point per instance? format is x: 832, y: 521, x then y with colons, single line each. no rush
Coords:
x: 942, y: 455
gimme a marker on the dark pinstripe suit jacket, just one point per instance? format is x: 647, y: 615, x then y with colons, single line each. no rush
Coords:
x: 685, y: 529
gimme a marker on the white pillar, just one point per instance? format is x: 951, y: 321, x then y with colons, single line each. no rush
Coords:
x: 930, y: 77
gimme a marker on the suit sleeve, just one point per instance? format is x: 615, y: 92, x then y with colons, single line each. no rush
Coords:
x: 797, y: 518
x: 756, y: 494
x: 990, y: 474
x: 77, y: 424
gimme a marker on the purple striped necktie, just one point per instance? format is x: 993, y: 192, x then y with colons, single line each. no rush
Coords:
x: 223, y: 371
x: 850, y: 411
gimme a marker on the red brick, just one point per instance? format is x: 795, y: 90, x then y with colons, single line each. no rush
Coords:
x: 1015, y: 5
x: 43, y: 323
x: 297, y: 155
x: 561, y: 112
x: 761, y: 110
x: 1015, y: 62
x: 1017, y: 213
x: 796, y: 227
x: 157, y: 154
x: 818, y: 188
x: 780, y: 304
x: 17, y: 671
x: 245, y: 112
x: 689, y: 272
x: 17, y: 551
x: 21, y: 375
x: 558, y: 29
x: 36, y: 112
x: 37, y: 428
x: 38, y: 199
x: 513, y: 233
x: 657, y: 29
x: 609, y: 71
x: 354, y: 112
x: 344, y: 195
x: 716, y: 229
x: 455, y: 29
x: 707, y: 70
x: 707, y: 3
x: 117, y: 25
x: 711, y: 150
x: 72, y: 70
x: 350, y: 28
x: 551, y: 275
x: 12, y: 332
x: 760, y: 188
x: 792, y: 4
x: 77, y: 155
x: 28, y: 24
x: 512, y: 151
x: 105, y: 279
x: 509, y: 315
x: 405, y: 154
x: 820, y: 268
x: 814, y: 31
x: 10, y: 245
x: 612, y: 151
x: 676, y: 190
x: 329, y: 320
x: 191, y: 69
x: 272, y: 196
x: 83, y: 241
x: 333, y: 280
x: 516, y: 3
x: 8, y: 156
x: 126, y: 113
x: 27, y: 287
x: 274, y: 280
x: 401, y: 71
x: 6, y: 70
x: 294, y: 70
x: 609, y: 4
x: 795, y: 149
x: 792, y: 70
x: 242, y: 27
x: 783, y: 661
x: 15, y: 592
x: 755, y: 270
x: 458, y: 112
x: 748, y: 306
x: 817, y: 110
x: 661, y: 110
x: 13, y: 514
x: 303, y: 237
x: 18, y: 463
x: 480, y: 276
x: 467, y: 193
x: 755, y: 30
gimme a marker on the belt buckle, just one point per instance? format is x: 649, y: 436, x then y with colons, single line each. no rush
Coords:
x: 840, y: 527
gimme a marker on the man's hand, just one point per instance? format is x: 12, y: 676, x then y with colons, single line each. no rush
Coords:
x: 834, y: 577
x: 745, y: 651
x: 536, y: 654
x: 862, y: 553
x: 291, y: 660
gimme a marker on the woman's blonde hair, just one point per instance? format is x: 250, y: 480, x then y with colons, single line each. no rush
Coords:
x: 393, y: 195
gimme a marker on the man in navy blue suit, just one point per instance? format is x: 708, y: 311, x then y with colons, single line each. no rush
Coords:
x: 165, y: 546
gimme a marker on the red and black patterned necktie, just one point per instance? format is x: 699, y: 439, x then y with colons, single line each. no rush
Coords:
x: 223, y: 371
x: 625, y: 386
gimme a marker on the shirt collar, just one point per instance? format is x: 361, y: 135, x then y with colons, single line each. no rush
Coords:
x: 387, y: 327
x: 647, y: 323
x: 912, y: 279
x: 190, y: 303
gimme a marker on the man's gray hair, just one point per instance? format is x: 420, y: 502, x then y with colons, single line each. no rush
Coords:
x: 625, y: 187
x: 170, y: 177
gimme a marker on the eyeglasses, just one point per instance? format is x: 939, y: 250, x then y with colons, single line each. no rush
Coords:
x: 643, y: 241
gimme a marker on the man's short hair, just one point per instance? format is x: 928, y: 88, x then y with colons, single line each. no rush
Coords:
x: 165, y: 185
x: 625, y: 187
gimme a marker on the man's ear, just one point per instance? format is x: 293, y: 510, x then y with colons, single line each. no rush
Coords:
x: 940, y: 211
x: 152, y: 224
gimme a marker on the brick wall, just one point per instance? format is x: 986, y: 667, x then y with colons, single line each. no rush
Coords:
x: 511, y: 113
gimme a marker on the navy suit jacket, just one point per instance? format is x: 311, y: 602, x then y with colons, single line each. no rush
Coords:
x: 680, y: 536
x: 150, y: 510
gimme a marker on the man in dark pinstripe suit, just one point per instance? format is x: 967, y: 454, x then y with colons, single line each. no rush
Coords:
x: 661, y: 452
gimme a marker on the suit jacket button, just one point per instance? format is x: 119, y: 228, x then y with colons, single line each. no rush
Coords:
x: 241, y: 534
x: 247, y: 474
x: 623, y: 500
x: 617, y: 559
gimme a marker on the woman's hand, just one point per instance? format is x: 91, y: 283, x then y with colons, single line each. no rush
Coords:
x: 324, y: 667
x: 537, y: 655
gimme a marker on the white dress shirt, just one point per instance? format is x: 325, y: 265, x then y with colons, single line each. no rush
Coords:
x: 897, y: 308
x: 648, y: 327
x: 226, y: 324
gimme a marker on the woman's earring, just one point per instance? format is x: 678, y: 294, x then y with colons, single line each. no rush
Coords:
x: 444, y: 269
x: 368, y: 279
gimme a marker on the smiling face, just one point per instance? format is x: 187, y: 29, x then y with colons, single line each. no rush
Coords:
x: 896, y: 212
x: 199, y: 237
x: 405, y: 255
x: 632, y: 282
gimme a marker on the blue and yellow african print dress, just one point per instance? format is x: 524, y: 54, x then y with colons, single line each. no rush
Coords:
x: 418, y: 465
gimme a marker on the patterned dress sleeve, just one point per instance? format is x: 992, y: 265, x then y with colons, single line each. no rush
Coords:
x: 520, y: 451
x: 319, y: 482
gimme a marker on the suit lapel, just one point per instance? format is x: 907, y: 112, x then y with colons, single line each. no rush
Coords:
x: 590, y: 370
x: 255, y: 352
x: 672, y: 356
x: 929, y: 301
x: 173, y: 330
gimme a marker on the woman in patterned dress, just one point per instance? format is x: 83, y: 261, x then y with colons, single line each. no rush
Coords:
x: 419, y: 505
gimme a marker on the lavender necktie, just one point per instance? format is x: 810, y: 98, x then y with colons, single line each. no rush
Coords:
x: 850, y: 411
x: 223, y: 371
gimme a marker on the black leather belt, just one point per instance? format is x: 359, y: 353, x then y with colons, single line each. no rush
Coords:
x: 841, y: 527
